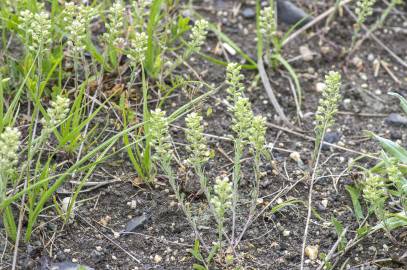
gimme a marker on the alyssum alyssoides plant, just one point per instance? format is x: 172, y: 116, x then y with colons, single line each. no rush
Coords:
x: 363, y: 10
x: 324, y: 118
x: 222, y: 193
x: 385, y: 185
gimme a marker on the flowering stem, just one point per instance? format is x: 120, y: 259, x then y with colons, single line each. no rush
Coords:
x: 236, y: 180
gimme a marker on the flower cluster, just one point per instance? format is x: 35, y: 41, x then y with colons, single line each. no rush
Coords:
x: 198, y: 148
x: 198, y: 35
x: 363, y: 10
x: 245, y: 124
x: 328, y: 104
x: 257, y: 135
x: 57, y: 112
x: 221, y: 200
x: 374, y: 192
x: 137, y: 50
x: 233, y: 80
x: 268, y: 23
x: 76, y: 20
x: 115, y: 24
x: 242, y: 118
x: 160, y: 137
x: 9, y: 143
x: 140, y: 6
x: 37, y: 28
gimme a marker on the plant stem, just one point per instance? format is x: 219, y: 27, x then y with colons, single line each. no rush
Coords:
x: 236, y: 180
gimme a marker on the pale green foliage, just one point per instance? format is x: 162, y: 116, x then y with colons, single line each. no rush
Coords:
x: 160, y: 137
x: 363, y: 10
x: 328, y: 104
x: 198, y: 147
x: 137, y: 49
x: 268, y: 22
x: 374, y: 192
x: 233, y: 80
x: 222, y: 196
x: 57, y: 112
x: 115, y: 24
x: 9, y: 143
x: 198, y: 35
x: 37, y: 28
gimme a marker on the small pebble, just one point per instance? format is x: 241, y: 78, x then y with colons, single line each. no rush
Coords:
x: 249, y: 13
x: 396, y: 119
x: 357, y: 62
x: 324, y: 202
x: 132, y: 204
x: 306, y: 53
x: 157, y: 258
x: 320, y: 86
x: 312, y: 252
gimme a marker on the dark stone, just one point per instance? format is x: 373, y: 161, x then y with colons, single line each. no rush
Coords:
x: 396, y: 120
x: 96, y: 256
x: 249, y: 13
x: 331, y: 137
x: 396, y: 135
x: 134, y: 223
x: 290, y: 14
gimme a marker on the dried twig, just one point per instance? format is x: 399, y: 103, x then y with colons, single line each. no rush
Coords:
x: 270, y: 93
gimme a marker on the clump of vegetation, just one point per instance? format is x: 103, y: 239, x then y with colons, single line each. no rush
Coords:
x: 325, y: 118
x: 59, y: 62
x: 385, y: 186
x: 224, y: 196
x: 363, y: 10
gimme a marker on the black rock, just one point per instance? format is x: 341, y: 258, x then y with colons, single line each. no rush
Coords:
x: 396, y: 135
x: 396, y: 120
x: 96, y: 256
x: 290, y: 14
x: 249, y: 13
x: 331, y: 137
x: 134, y: 223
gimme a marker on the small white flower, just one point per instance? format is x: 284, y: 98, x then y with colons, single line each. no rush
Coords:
x: 37, y: 28
x: 57, y: 112
x: 9, y: 143
x: 198, y: 148
x: 160, y: 137
x: 138, y: 48
x: 198, y: 35
x: 221, y: 201
x: 115, y: 23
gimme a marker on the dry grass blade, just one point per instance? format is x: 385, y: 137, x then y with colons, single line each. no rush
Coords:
x: 270, y: 93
